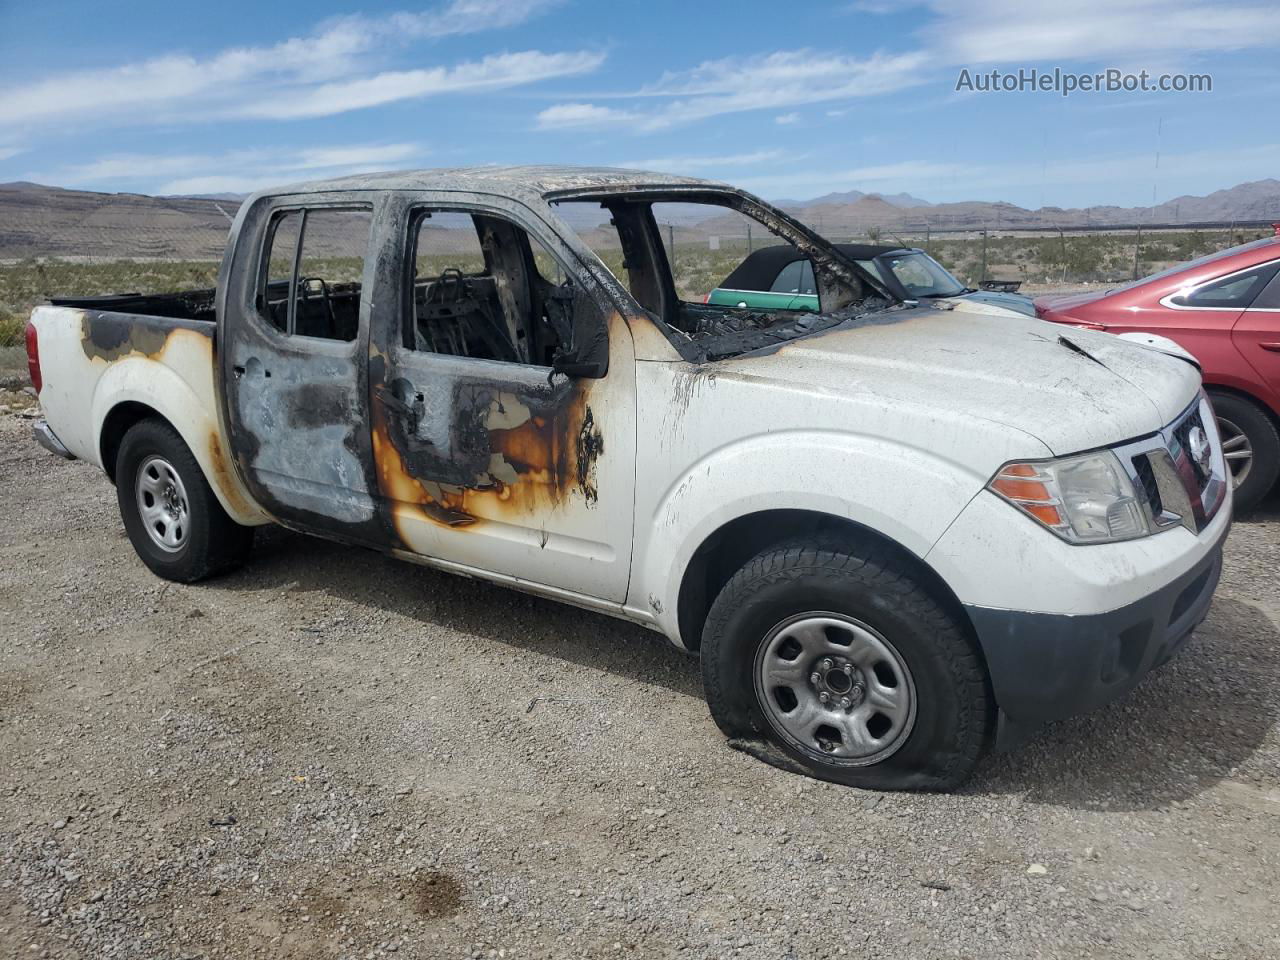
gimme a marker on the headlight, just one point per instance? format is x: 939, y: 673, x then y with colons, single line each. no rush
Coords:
x: 1083, y: 499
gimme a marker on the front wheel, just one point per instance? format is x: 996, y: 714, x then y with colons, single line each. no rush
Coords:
x: 840, y: 657
x: 1250, y: 445
x: 170, y: 513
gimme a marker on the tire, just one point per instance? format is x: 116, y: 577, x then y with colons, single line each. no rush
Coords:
x: 871, y: 598
x: 1245, y: 426
x: 171, y: 515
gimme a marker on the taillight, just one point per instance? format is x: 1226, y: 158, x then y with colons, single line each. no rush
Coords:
x: 33, y: 356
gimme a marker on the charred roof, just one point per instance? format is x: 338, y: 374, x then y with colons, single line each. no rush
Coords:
x: 529, y: 182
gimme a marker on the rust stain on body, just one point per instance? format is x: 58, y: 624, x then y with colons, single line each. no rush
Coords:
x: 224, y: 477
x: 513, y: 455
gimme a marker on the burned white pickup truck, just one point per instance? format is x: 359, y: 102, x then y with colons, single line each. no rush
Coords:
x: 889, y: 532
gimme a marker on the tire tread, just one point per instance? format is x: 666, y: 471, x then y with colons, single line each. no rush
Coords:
x: 877, y: 567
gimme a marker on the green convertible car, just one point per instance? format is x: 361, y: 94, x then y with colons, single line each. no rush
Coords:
x: 780, y: 278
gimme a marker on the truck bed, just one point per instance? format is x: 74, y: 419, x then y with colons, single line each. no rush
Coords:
x: 104, y: 367
x: 184, y: 305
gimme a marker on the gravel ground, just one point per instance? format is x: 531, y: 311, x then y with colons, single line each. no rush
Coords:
x: 334, y: 754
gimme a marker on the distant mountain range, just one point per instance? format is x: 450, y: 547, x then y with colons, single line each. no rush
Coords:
x: 38, y: 220
x: 1259, y: 200
x: 853, y: 196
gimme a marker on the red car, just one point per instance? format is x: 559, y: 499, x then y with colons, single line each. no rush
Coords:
x: 1225, y: 310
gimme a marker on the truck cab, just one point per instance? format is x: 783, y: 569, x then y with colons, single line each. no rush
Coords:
x: 888, y: 533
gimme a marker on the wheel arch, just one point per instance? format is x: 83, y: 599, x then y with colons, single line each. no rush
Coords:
x: 202, y: 437
x: 1211, y: 387
x: 728, y: 548
x: 119, y: 420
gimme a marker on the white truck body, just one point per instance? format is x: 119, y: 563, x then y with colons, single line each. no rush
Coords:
x: 892, y: 422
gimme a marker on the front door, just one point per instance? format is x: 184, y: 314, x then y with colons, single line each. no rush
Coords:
x: 293, y: 351
x: 484, y: 459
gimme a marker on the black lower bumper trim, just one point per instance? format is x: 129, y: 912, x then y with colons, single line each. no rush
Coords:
x: 1049, y: 666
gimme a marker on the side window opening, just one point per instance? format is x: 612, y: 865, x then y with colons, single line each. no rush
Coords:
x: 808, y: 283
x: 313, y: 273
x: 1269, y: 299
x: 790, y: 277
x: 483, y: 287
x: 282, y: 256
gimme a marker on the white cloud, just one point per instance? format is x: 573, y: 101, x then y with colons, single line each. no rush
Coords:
x: 321, y: 72
x: 686, y: 164
x: 879, y: 177
x: 564, y: 115
x: 783, y: 79
x: 468, y: 16
x: 234, y: 171
x: 7, y: 152
x: 786, y: 119
x: 491, y: 73
x: 1095, y: 31
x: 882, y: 7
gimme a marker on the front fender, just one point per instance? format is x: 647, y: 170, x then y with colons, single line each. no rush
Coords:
x: 906, y: 494
x: 187, y: 404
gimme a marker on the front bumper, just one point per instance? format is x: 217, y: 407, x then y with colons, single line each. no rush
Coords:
x: 1047, y: 666
x: 49, y: 440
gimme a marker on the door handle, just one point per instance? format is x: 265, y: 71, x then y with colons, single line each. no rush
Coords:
x: 1273, y: 347
x: 392, y: 402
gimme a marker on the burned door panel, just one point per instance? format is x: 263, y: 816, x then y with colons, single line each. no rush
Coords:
x: 295, y: 381
x: 500, y: 465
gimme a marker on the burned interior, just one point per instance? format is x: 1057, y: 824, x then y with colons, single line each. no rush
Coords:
x: 480, y: 288
x: 703, y: 331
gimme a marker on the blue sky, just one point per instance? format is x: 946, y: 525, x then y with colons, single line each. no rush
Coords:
x: 789, y: 100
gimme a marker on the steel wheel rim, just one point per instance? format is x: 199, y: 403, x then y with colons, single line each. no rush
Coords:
x: 1236, y: 450
x: 851, y: 700
x: 162, y: 504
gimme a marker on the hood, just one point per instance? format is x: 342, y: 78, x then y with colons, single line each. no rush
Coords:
x: 992, y: 301
x: 1072, y: 389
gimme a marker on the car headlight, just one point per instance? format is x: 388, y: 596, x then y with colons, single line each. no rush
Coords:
x: 1083, y: 499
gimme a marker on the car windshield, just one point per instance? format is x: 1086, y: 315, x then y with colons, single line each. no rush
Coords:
x: 922, y: 275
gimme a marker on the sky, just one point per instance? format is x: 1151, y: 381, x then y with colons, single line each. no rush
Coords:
x: 788, y: 100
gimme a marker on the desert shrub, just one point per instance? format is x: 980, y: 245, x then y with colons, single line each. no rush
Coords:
x: 11, y: 328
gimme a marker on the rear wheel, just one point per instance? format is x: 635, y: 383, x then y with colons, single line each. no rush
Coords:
x: 170, y: 513
x: 1250, y: 445
x: 839, y: 656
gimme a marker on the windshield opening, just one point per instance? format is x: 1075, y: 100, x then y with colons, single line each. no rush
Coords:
x: 671, y: 253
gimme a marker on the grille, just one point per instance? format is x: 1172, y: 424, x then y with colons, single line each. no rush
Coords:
x: 1176, y: 489
x: 1147, y: 478
x: 1182, y: 433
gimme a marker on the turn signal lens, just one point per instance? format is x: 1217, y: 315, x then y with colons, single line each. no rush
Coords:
x: 1025, y: 487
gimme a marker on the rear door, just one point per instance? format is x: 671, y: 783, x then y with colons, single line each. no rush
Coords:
x: 484, y: 459
x: 1200, y: 318
x: 293, y: 346
x: 1257, y: 336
